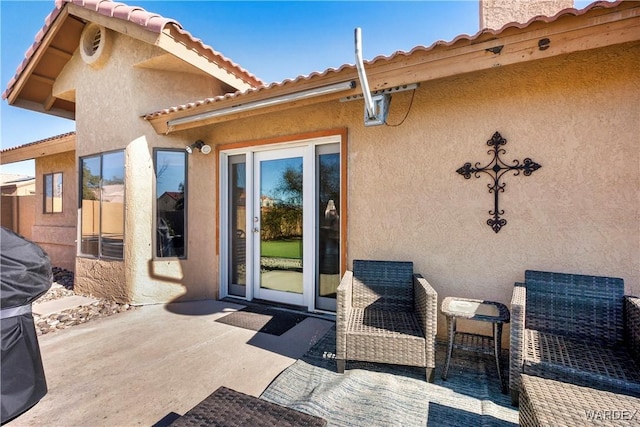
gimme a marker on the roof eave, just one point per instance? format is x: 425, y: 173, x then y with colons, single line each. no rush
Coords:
x: 166, y: 34
x: 56, y: 145
x: 513, y: 44
x: 12, y: 92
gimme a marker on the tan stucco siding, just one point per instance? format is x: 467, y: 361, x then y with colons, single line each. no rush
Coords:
x: 56, y: 232
x: 497, y: 13
x: 109, y: 103
x: 576, y: 115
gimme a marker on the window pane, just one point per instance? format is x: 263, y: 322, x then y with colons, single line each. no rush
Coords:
x: 57, y: 192
x: 112, y: 208
x: 90, y: 205
x: 328, y: 220
x: 237, y: 226
x: 170, y: 203
x: 48, y: 193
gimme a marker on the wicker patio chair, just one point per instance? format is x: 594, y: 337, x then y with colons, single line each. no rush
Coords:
x: 386, y: 314
x: 576, y: 329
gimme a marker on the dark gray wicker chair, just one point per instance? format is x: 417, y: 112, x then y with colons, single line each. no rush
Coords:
x: 386, y: 314
x: 576, y: 329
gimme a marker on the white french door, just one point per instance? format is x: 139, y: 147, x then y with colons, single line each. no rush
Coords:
x: 280, y: 228
x: 280, y: 210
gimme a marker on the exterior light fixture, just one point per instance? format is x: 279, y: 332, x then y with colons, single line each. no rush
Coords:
x: 200, y: 145
x: 310, y: 93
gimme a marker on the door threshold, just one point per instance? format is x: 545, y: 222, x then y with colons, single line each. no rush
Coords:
x: 281, y: 306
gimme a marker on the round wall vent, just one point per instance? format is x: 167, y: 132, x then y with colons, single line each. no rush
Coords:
x: 95, y: 45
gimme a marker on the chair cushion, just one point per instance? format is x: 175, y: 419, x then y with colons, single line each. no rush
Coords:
x: 585, y: 363
x: 386, y: 337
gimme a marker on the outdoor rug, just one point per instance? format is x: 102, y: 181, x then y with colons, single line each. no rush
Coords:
x: 263, y: 319
x: 370, y: 394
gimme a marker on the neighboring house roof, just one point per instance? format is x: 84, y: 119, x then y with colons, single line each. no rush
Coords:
x: 11, y: 178
x: 44, y: 147
x: 541, y: 37
x: 175, y: 195
x: 56, y: 42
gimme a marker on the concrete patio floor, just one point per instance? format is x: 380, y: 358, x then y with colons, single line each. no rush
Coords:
x: 144, y: 366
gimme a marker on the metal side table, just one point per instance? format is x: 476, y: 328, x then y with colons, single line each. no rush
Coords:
x: 479, y: 310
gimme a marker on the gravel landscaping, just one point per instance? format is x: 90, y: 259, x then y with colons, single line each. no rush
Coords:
x: 63, y: 287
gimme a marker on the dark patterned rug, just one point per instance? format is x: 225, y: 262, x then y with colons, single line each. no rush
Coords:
x: 369, y: 394
x: 263, y: 319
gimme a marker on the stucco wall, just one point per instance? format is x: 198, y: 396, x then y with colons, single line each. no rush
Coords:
x: 576, y: 115
x: 56, y: 233
x: 495, y: 14
x: 109, y: 104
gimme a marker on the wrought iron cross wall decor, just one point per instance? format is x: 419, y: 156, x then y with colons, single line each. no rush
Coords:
x: 496, y: 170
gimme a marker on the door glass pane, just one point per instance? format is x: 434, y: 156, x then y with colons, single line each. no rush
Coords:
x: 90, y: 208
x: 171, y: 179
x: 238, y: 226
x: 281, y: 224
x: 112, y: 216
x: 328, y: 220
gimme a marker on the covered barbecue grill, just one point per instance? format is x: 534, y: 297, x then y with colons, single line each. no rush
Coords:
x: 25, y: 274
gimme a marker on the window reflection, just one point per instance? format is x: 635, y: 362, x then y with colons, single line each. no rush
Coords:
x: 90, y: 205
x: 281, y: 232
x: 328, y: 219
x: 102, y: 205
x: 53, y: 193
x: 170, y: 203
x: 112, y: 215
x: 237, y: 226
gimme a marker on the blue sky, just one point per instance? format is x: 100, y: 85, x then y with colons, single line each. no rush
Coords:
x: 273, y: 40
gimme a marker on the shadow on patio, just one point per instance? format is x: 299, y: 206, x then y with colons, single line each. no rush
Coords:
x: 377, y: 394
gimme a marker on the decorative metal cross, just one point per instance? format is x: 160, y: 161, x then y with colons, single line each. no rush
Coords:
x: 496, y: 169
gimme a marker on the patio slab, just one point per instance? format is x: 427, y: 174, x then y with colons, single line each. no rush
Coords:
x: 149, y: 364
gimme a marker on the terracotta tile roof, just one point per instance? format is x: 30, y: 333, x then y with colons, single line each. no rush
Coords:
x: 52, y: 138
x: 461, y: 39
x: 137, y: 15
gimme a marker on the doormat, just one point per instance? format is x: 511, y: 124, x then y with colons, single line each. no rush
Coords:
x: 263, y: 319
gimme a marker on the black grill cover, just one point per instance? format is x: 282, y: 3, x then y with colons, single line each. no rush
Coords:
x: 25, y: 274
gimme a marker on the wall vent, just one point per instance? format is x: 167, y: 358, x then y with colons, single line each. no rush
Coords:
x: 95, y: 45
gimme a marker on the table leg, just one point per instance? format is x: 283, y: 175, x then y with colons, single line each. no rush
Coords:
x: 497, y: 345
x: 451, y: 332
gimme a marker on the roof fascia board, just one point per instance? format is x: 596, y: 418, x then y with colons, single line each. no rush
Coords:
x: 118, y: 25
x: 181, y: 46
x: 607, y: 28
x: 37, y: 56
x: 615, y: 28
x: 41, y: 149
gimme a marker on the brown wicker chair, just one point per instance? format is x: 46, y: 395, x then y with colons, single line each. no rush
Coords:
x: 576, y: 329
x: 386, y: 314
